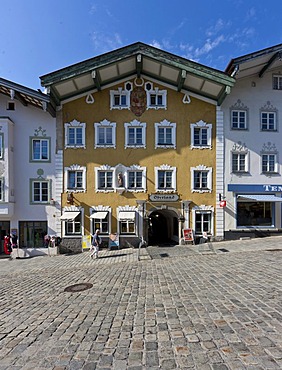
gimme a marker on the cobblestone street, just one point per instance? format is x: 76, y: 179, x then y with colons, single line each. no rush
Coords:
x: 174, y: 309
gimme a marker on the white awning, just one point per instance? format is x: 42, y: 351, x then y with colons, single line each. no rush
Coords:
x: 261, y: 197
x: 126, y: 215
x: 69, y: 216
x: 99, y: 215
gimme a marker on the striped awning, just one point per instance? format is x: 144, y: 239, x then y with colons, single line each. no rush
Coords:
x: 260, y: 197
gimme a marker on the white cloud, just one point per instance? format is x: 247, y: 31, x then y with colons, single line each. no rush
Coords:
x: 209, y: 46
x: 103, y: 43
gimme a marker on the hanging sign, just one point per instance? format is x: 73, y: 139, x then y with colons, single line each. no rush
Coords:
x: 222, y: 203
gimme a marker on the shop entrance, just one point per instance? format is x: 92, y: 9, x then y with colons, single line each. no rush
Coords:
x: 163, y: 227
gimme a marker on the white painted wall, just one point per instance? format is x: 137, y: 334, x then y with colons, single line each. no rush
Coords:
x: 254, y: 92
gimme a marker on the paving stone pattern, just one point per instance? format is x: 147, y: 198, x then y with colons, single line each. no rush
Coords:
x: 195, y: 311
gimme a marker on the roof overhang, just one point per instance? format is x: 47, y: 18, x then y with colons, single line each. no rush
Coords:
x: 137, y: 60
x: 26, y: 96
x: 256, y: 64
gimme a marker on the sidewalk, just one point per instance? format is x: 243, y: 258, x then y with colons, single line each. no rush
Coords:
x: 175, y: 308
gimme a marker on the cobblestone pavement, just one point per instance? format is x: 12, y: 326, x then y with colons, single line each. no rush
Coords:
x: 175, y: 308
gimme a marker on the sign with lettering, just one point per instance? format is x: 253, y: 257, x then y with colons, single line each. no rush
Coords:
x: 247, y: 188
x: 188, y: 235
x: 163, y: 197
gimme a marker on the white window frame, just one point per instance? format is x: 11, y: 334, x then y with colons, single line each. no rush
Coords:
x: 236, y: 124
x: 105, y: 124
x: 201, y: 125
x: 73, y: 222
x: 165, y: 124
x: 127, y: 222
x: 268, y: 171
x: 119, y: 93
x: 96, y: 209
x: 40, y: 181
x: 136, y: 168
x: 75, y: 168
x: 1, y: 146
x: 246, y: 162
x: 201, y: 168
x: 277, y: 82
x: 75, y: 125
x: 135, y: 124
x: 150, y: 90
x: 268, y: 113
x: 203, y: 210
x: 165, y: 168
x: 98, y: 170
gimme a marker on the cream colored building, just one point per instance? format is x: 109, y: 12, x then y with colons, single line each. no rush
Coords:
x: 141, y: 132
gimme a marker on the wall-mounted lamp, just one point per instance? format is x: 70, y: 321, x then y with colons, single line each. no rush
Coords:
x: 181, y: 218
x: 70, y: 198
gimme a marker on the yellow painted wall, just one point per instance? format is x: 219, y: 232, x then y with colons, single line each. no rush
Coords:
x: 182, y: 157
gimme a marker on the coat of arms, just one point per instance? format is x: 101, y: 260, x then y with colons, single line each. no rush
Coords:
x: 138, y: 101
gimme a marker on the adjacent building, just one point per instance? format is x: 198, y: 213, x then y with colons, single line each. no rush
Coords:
x: 252, y: 135
x: 30, y: 171
x: 141, y: 132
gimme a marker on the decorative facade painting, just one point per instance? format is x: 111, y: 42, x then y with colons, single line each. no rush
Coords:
x: 138, y: 101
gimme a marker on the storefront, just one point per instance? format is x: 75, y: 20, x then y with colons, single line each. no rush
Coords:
x: 257, y: 210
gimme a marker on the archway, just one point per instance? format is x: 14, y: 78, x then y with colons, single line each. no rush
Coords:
x: 163, y: 227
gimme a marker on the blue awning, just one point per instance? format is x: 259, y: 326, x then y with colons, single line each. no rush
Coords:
x: 260, y: 197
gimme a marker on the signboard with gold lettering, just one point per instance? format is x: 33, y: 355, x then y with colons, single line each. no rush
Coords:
x: 164, y: 197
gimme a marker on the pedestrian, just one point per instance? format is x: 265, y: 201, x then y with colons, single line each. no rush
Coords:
x: 7, y: 244
x: 96, y: 242
x: 14, y: 239
x: 46, y: 241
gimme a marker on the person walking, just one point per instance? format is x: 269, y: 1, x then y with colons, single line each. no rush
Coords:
x: 96, y: 242
x: 7, y: 244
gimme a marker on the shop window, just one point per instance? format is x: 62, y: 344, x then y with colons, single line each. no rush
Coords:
x: 127, y: 222
x: 31, y: 233
x: 100, y: 219
x: 254, y: 214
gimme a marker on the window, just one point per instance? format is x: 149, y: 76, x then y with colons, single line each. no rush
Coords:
x: 277, y: 82
x: 100, y: 220
x: 75, y: 134
x: 203, y: 222
x: 268, y: 121
x: 75, y: 176
x: 40, y: 149
x: 254, y: 214
x: 120, y: 99
x: 105, y: 134
x: 239, y: 162
x: 1, y: 146
x: 31, y: 233
x: 135, y: 134
x: 201, y: 135
x: 239, y: 119
x: 165, y: 178
x: 127, y: 221
x: 201, y: 177
x: 269, y: 163
x: 156, y: 99
x: 104, y: 177
x: 11, y: 105
x: 40, y: 191
x: 1, y: 189
x: 73, y: 226
x: 165, y: 135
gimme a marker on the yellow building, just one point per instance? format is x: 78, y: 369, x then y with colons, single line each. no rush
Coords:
x: 141, y: 132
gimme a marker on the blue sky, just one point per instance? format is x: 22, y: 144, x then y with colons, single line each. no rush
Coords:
x: 38, y: 37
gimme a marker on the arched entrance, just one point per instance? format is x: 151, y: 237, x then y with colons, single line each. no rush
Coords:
x: 163, y: 227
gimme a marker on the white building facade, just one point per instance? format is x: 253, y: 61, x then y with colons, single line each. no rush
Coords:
x: 252, y: 140
x: 30, y: 168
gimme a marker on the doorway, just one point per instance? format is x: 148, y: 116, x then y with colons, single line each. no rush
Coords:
x: 163, y: 227
x: 4, y: 230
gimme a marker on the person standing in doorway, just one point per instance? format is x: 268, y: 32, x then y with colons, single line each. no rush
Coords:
x: 95, y: 244
x: 7, y: 244
x: 14, y: 239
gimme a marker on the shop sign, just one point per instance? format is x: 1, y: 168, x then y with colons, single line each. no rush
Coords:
x: 222, y: 203
x: 163, y: 197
